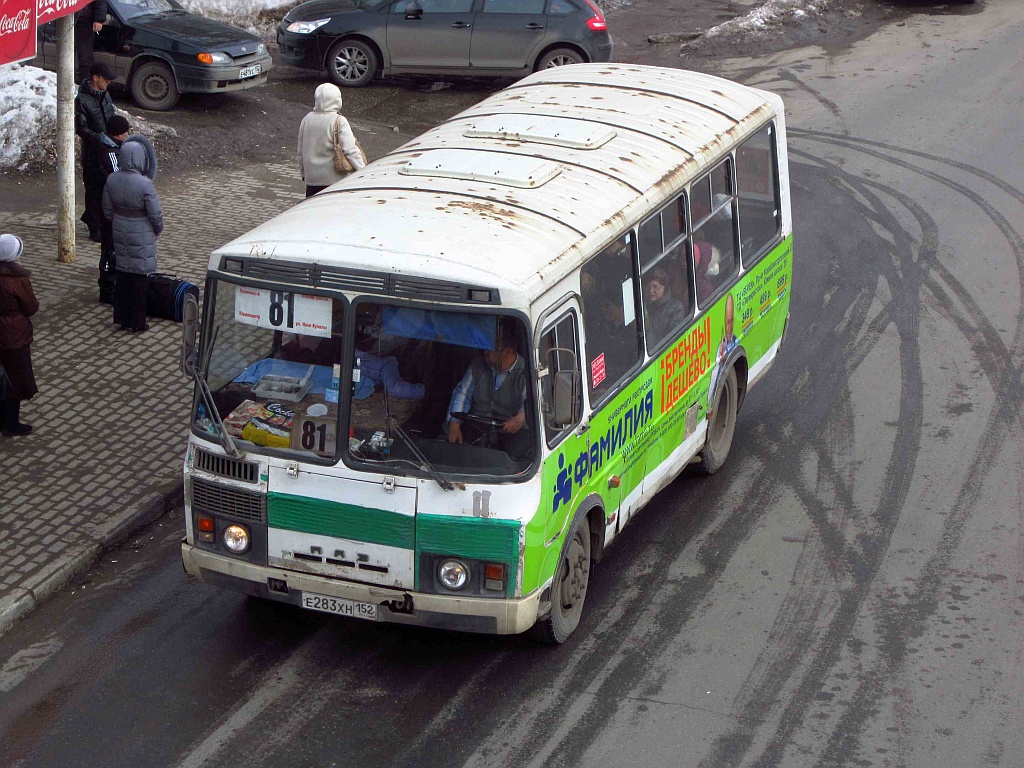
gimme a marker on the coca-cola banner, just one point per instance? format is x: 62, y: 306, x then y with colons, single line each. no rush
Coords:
x: 17, y: 30
x: 48, y: 10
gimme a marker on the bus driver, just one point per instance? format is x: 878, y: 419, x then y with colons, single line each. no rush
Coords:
x: 493, y: 388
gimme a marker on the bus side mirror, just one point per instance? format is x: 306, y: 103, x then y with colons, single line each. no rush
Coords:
x: 189, y: 333
x: 562, y: 389
x: 566, y: 403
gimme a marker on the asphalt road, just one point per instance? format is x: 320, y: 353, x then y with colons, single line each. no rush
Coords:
x: 846, y: 592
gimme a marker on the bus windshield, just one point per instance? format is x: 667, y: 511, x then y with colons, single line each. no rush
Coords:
x: 431, y: 391
x: 266, y: 391
x: 447, y: 388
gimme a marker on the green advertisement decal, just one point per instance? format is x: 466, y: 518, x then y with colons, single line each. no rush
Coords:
x: 630, y: 418
x: 663, y: 405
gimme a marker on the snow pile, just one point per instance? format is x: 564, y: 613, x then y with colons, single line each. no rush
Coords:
x: 772, y: 14
x: 28, y: 117
x: 233, y: 7
x: 257, y: 16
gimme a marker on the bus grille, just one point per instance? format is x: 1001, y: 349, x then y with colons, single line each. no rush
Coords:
x: 225, y: 466
x: 216, y: 499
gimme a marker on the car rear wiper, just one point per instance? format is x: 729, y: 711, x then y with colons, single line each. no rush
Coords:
x: 420, y: 456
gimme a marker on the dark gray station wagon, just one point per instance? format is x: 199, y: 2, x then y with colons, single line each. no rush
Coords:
x: 356, y: 39
x: 158, y: 50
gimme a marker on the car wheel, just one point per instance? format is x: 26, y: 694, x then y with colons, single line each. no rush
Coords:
x: 153, y: 86
x: 351, y: 63
x: 722, y: 426
x: 559, y: 57
x: 569, y: 589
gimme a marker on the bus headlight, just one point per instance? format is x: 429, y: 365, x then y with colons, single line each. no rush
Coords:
x: 236, y: 538
x: 454, y: 574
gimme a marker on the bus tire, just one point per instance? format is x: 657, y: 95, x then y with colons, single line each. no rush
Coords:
x: 569, y: 589
x: 722, y: 427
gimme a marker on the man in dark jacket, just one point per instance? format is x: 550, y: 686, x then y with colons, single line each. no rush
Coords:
x: 117, y: 129
x: 493, y: 388
x: 88, y: 23
x: 93, y: 108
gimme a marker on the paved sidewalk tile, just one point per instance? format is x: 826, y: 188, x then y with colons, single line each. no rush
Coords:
x: 110, y: 416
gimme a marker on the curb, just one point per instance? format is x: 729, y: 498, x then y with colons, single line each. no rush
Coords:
x: 23, y: 601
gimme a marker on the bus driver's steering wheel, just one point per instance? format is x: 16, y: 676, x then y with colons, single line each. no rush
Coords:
x: 492, y: 425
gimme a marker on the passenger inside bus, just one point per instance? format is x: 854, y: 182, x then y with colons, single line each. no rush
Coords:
x: 380, y: 372
x: 663, y: 312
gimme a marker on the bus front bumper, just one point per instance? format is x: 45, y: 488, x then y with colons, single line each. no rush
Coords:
x: 472, y: 614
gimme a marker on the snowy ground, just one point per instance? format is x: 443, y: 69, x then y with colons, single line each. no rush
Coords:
x: 28, y: 115
x: 260, y: 16
x: 771, y: 14
x: 28, y: 102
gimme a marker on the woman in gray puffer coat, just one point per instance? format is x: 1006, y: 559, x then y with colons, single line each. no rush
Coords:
x: 131, y: 205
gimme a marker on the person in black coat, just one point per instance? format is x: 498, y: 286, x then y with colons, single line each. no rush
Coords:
x: 88, y: 23
x: 17, y: 304
x: 117, y: 129
x: 93, y: 108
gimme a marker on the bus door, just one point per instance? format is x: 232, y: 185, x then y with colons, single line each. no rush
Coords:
x: 559, y: 359
x: 613, y: 354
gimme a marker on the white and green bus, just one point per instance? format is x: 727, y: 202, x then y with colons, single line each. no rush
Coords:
x: 436, y: 392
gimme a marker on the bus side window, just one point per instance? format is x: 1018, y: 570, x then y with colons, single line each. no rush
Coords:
x: 712, y: 209
x: 666, y: 296
x: 559, y: 351
x: 758, y: 180
x: 649, y: 240
x: 608, y: 295
x: 666, y: 287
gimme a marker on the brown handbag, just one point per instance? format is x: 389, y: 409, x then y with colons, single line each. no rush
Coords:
x: 341, y: 163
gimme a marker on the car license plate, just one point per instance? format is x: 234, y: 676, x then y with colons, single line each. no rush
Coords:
x: 250, y: 71
x: 340, y: 606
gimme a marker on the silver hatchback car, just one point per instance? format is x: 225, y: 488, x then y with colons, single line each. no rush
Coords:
x: 354, y: 40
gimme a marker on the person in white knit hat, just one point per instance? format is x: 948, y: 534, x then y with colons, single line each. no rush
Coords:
x: 17, y: 304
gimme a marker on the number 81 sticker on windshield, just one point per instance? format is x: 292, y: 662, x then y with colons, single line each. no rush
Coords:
x: 318, y: 434
x: 284, y: 311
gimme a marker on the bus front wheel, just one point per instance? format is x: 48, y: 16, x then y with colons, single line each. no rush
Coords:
x: 569, y: 589
x: 722, y: 427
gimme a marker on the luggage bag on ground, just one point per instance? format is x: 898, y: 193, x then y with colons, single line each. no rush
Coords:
x: 165, y: 296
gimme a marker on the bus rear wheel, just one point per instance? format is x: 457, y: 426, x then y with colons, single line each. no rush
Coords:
x: 569, y: 589
x: 722, y: 427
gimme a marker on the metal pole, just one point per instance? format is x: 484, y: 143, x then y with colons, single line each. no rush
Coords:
x: 66, y: 139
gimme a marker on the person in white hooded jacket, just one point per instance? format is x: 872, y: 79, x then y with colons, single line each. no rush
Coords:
x: 317, y: 132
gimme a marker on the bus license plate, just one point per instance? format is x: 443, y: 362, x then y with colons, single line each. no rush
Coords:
x: 340, y: 606
x: 250, y: 71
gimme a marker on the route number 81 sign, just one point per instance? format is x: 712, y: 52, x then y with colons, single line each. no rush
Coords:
x: 284, y: 311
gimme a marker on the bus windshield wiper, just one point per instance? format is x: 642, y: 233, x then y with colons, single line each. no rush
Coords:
x: 198, y: 371
x: 420, y: 456
x: 222, y: 434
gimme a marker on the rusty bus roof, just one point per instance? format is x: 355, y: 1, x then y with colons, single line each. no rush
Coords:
x: 517, y: 190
